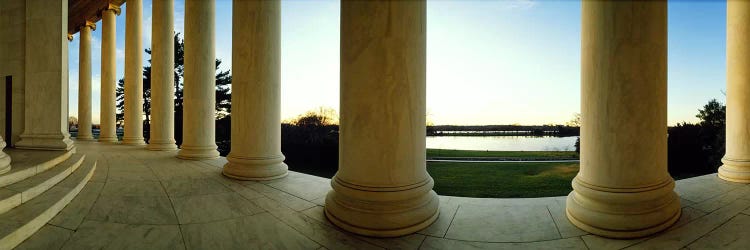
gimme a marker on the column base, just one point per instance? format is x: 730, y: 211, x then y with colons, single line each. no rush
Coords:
x: 85, y: 138
x: 197, y: 153
x: 4, y: 162
x: 382, y: 212
x: 255, y: 169
x: 133, y: 141
x: 623, y: 213
x: 45, y: 142
x: 108, y: 138
x: 735, y: 170
x: 161, y: 145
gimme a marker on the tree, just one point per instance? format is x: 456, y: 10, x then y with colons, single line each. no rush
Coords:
x: 713, y: 114
x: 686, y: 154
x: 223, y: 90
x: 223, y: 81
x: 713, y: 131
x: 322, y: 116
x: 697, y: 149
x: 72, y: 121
x: 575, y: 121
x: 120, y: 95
x: 310, y: 142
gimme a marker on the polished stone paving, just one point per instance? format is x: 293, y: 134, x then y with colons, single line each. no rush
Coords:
x: 140, y: 199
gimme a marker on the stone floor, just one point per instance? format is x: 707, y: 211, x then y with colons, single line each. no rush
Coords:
x: 139, y: 199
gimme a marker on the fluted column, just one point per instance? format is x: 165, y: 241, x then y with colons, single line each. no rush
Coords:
x: 45, y: 92
x: 107, y: 113
x: 84, y: 83
x: 256, y: 92
x: 4, y: 158
x: 199, y: 93
x: 382, y: 187
x: 162, y: 77
x: 133, y: 134
x: 623, y: 189
x: 736, y: 161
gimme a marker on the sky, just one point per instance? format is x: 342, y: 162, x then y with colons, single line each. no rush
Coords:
x: 488, y: 62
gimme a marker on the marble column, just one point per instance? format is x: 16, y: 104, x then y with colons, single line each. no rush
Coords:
x: 736, y: 161
x: 4, y: 158
x: 199, y: 93
x: 107, y: 113
x: 256, y: 92
x: 133, y: 133
x: 382, y: 188
x: 46, y: 77
x: 84, y: 83
x: 623, y: 189
x: 162, y: 77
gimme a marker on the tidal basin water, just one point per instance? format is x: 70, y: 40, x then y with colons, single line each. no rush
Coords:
x: 503, y: 143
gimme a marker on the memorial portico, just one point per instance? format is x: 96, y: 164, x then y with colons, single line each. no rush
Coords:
x: 104, y: 191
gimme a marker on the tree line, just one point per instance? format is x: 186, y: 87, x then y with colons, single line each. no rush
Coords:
x: 500, y: 130
x: 697, y: 148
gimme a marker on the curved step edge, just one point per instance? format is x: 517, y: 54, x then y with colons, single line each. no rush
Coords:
x: 23, y: 221
x: 21, y: 192
x: 17, y: 175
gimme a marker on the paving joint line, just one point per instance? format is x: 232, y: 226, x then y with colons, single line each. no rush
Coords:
x: 322, y: 224
x: 281, y: 202
x: 710, y: 231
x: 64, y: 242
x: 98, y: 196
x: 584, y: 242
x: 669, y: 229
x: 171, y: 204
x: 422, y: 242
x: 504, y: 242
x: 451, y: 223
x: 61, y: 227
x: 554, y: 222
x: 69, y: 229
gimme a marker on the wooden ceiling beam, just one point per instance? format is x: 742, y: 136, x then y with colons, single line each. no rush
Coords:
x: 82, y: 11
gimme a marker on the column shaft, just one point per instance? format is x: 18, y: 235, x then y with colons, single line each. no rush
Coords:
x: 382, y: 187
x: 623, y: 189
x: 736, y: 161
x: 46, y: 77
x: 133, y: 74
x: 256, y: 92
x: 107, y: 113
x: 162, y: 77
x: 199, y: 93
x: 84, y: 83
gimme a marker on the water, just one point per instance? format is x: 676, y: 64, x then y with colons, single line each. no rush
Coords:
x: 503, y: 143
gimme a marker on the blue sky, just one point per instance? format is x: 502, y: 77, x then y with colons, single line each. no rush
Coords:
x: 488, y: 62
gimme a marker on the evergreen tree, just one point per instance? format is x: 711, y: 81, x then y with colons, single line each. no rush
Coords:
x: 223, y: 90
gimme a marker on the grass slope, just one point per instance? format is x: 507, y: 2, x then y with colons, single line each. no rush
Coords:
x: 502, y: 180
x: 510, y: 154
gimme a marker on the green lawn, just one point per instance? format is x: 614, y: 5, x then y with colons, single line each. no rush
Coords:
x: 502, y: 180
x: 501, y: 154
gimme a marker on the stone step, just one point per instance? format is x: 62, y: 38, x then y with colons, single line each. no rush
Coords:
x: 27, y: 163
x: 23, y: 191
x: 23, y: 221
